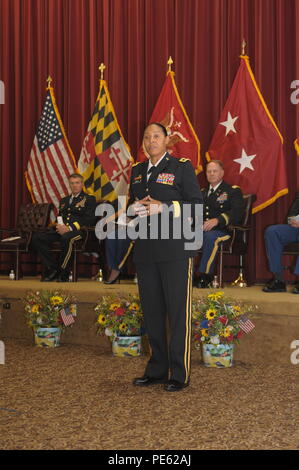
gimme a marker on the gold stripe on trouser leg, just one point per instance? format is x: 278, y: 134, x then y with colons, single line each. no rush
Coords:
x: 190, y: 310
x: 126, y: 256
x: 69, y: 252
x: 187, y: 354
x: 214, y: 252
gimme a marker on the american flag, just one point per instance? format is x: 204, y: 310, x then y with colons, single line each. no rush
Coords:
x: 66, y: 317
x: 245, y: 324
x: 51, y: 159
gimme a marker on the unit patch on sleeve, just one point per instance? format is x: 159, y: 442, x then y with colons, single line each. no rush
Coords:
x: 137, y: 179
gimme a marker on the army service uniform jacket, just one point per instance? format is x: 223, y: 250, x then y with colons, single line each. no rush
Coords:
x: 294, y: 209
x: 226, y: 204
x: 174, y: 183
x: 81, y: 211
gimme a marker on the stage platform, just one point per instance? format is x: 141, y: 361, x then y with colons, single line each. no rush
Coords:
x: 276, y: 317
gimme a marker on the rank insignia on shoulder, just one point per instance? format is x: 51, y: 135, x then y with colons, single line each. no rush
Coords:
x: 135, y: 164
x: 183, y: 160
x: 81, y: 203
x: 235, y: 186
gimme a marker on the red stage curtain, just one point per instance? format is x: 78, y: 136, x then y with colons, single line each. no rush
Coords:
x: 70, y: 38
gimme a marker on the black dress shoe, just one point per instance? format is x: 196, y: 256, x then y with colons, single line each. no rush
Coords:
x: 204, y: 281
x: 296, y: 289
x: 275, y: 285
x: 146, y: 380
x: 195, y: 281
x: 63, y: 276
x: 114, y: 277
x: 52, y: 276
x: 175, y: 386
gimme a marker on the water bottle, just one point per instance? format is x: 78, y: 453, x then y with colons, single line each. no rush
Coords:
x: 12, y: 275
x: 100, y: 276
x: 215, y: 283
x: 71, y: 276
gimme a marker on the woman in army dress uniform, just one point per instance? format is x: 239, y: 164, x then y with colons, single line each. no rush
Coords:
x: 164, y: 266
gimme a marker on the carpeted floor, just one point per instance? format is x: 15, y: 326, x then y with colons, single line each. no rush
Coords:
x: 80, y: 397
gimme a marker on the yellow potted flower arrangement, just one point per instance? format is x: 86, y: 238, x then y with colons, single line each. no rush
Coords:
x: 218, y: 323
x: 48, y: 312
x: 120, y: 318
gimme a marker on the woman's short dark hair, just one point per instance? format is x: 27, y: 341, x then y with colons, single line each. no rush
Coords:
x: 161, y: 127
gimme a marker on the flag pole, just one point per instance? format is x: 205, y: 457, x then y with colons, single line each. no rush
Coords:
x: 49, y: 81
x: 243, y: 45
x: 101, y: 69
x: 99, y: 274
x: 240, y: 281
x: 169, y: 63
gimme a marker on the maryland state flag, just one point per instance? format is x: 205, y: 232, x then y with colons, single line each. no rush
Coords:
x: 170, y: 112
x: 249, y: 143
x: 105, y: 161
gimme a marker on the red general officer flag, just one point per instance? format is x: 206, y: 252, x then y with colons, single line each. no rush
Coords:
x: 249, y: 143
x: 170, y: 112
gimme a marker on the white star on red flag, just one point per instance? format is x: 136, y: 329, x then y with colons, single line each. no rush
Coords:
x: 249, y: 127
x: 245, y: 161
x: 229, y: 123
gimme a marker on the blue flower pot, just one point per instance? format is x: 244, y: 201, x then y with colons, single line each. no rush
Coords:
x: 217, y: 355
x: 47, y: 337
x: 126, y: 346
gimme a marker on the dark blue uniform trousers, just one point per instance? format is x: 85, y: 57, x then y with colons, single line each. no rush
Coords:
x: 42, y: 241
x: 210, y: 245
x: 165, y: 290
x: 116, y: 248
x: 276, y: 237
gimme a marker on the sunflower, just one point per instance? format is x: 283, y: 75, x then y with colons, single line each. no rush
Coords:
x: 216, y: 296
x: 123, y: 327
x: 114, y: 306
x: 236, y: 310
x: 56, y: 300
x: 35, y: 308
x: 226, y: 332
x: 211, y: 314
x: 101, y: 319
x: 134, y: 306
